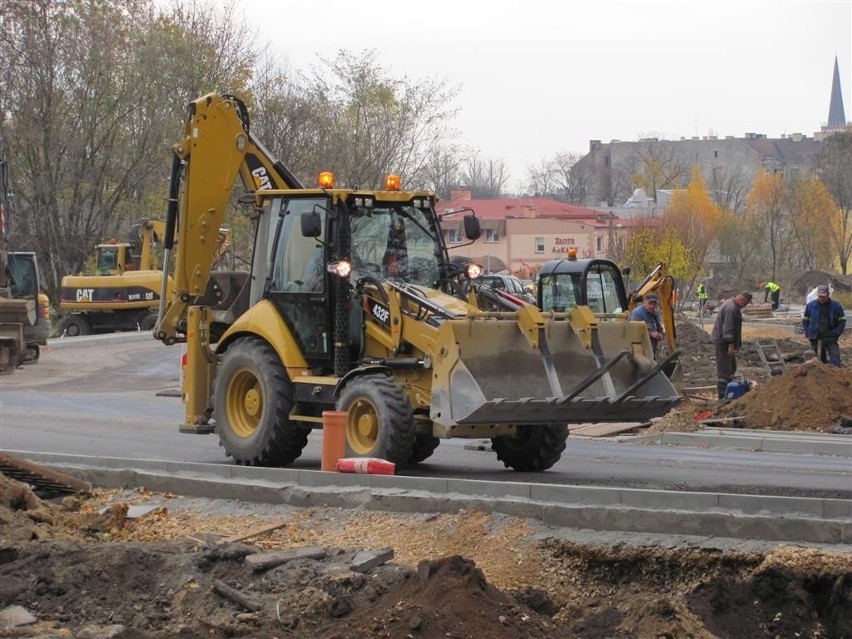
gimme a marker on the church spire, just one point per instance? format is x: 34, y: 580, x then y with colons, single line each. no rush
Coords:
x: 836, y: 114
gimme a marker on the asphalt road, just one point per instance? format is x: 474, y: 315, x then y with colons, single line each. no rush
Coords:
x: 103, y: 396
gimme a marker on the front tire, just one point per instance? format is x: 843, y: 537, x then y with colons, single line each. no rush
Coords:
x: 253, y: 398
x: 380, y: 420
x: 533, y: 448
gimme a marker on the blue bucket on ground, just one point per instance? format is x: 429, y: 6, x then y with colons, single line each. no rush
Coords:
x: 735, y: 390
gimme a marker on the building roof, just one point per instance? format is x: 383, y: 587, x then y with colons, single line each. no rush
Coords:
x: 836, y: 114
x: 522, y: 207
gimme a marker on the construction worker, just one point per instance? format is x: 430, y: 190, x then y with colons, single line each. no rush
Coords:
x: 727, y: 337
x: 701, y: 294
x: 772, y: 291
x: 648, y: 313
x: 823, y: 323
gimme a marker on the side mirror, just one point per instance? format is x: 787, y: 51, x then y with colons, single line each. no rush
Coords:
x: 472, y: 230
x: 311, y: 224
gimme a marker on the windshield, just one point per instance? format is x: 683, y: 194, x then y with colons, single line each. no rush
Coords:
x: 559, y: 293
x: 107, y: 259
x: 24, y: 277
x: 397, y: 242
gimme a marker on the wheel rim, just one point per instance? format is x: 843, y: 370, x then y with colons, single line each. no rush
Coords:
x: 72, y: 330
x: 244, y: 403
x: 362, y: 429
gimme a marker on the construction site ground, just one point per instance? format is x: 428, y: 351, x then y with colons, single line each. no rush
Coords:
x: 130, y: 564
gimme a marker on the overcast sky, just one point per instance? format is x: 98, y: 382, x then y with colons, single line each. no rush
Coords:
x: 540, y: 77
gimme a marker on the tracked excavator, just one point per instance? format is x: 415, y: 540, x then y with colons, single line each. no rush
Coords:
x: 351, y: 305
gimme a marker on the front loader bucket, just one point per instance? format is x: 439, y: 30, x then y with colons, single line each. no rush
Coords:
x: 494, y: 376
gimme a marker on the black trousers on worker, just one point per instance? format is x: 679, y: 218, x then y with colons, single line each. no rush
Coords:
x: 775, y: 296
x: 726, y: 368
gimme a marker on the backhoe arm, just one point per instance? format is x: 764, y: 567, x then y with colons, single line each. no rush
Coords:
x: 217, y: 148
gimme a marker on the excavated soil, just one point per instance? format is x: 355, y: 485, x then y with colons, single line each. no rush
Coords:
x: 468, y: 575
x: 811, y: 397
x: 84, y: 568
x: 805, y: 397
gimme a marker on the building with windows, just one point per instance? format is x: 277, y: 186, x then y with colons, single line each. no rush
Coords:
x: 520, y: 234
x: 613, y: 170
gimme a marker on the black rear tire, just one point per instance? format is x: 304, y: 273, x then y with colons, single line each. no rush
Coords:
x: 252, y: 402
x: 533, y: 448
x: 148, y: 322
x: 380, y: 420
x: 75, y: 326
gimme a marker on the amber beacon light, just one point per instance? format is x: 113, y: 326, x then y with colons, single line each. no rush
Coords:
x: 326, y: 180
x: 392, y: 183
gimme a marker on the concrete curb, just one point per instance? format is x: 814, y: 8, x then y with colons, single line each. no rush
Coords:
x: 769, y: 518
x: 793, y: 442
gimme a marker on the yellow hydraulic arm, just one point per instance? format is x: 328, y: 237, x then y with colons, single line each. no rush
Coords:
x: 217, y: 147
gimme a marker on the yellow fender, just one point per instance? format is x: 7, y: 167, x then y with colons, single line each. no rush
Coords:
x: 264, y: 321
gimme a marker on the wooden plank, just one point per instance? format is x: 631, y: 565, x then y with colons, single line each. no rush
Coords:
x: 698, y: 389
x: 235, y: 595
x: 252, y: 533
x: 605, y: 430
x: 267, y: 560
x: 30, y: 472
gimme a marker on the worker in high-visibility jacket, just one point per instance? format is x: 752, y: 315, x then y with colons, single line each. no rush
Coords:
x: 701, y: 294
x: 772, y: 291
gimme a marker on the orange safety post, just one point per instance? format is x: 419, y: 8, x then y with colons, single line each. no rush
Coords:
x: 333, y: 438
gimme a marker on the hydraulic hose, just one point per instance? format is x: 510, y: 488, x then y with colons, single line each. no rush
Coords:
x: 169, y: 239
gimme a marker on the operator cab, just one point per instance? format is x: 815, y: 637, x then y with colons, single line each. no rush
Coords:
x: 567, y: 283
x: 323, y: 245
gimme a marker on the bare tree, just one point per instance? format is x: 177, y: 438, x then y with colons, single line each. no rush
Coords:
x: 93, y: 89
x: 659, y: 166
x: 541, y: 179
x: 443, y: 170
x: 729, y: 187
x: 485, y: 178
x: 575, y: 179
x: 380, y: 124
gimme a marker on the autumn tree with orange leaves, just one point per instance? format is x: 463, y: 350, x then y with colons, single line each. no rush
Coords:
x: 767, y: 211
x: 812, y: 210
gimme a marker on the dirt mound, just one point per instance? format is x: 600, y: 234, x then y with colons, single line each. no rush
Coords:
x: 85, y: 574
x: 809, y: 397
x: 811, y: 279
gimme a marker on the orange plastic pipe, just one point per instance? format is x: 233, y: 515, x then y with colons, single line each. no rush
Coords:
x: 333, y: 438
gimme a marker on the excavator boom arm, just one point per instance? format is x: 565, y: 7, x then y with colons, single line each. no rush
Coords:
x: 217, y: 148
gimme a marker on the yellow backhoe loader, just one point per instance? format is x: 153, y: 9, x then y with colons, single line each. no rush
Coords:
x: 598, y: 283
x: 352, y: 305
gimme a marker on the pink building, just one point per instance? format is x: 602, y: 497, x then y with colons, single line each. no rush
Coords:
x: 520, y: 234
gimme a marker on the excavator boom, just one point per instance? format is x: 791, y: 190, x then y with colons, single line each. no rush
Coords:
x: 217, y: 148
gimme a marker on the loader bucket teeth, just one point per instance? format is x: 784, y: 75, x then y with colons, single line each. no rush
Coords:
x: 477, y: 384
